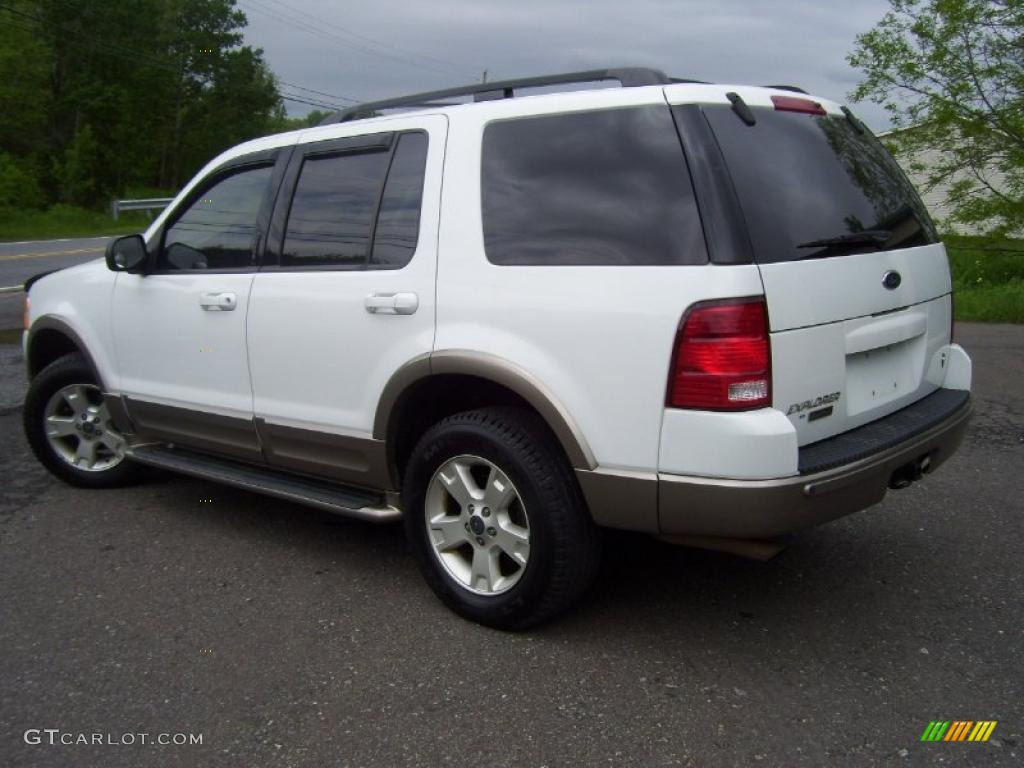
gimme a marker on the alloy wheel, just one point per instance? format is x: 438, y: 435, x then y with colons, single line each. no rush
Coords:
x: 79, y: 429
x: 477, y: 525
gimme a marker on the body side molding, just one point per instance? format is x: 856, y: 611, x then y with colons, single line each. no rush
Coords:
x: 344, y: 458
x: 197, y: 429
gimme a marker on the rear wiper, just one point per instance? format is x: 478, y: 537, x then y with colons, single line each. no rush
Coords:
x: 866, y: 236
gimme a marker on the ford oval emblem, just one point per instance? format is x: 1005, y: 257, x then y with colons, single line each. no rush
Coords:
x: 892, y: 279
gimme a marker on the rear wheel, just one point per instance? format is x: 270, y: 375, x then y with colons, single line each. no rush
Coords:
x: 68, y: 426
x: 496, y: 519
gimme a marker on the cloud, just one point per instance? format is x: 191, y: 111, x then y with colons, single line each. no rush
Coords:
x: 390, y: 47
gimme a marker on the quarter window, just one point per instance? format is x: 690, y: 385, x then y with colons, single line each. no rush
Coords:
x: 218, y: 229
x: 398, y: 224
x: 609, y: 187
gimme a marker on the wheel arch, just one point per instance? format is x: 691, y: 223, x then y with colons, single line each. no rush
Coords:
x: 432, y: 385
x: 50, y: 339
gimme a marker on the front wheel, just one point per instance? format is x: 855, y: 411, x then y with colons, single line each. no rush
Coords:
x: 69, y: 429
x: 496, y: 520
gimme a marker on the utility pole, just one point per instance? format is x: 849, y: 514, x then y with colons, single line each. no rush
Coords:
x: 484, y: 78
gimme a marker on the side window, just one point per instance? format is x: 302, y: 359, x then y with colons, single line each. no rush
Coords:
x: 218, y: 230
x: 332, y: 210
x: 398, y: 223
x: 608, y: 187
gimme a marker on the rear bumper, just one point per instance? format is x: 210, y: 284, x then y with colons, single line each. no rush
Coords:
x: 677, y: 505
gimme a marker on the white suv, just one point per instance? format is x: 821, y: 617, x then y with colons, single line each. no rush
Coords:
x: 713, y: 313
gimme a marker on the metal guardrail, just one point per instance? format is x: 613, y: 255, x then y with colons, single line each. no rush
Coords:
x: 143, y: 204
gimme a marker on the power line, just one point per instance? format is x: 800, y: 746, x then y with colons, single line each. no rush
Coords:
x: 456, y: 68
x: 318, y: 93
x: 325, y: 34
x: 144, y: 59
x: 321, y: 105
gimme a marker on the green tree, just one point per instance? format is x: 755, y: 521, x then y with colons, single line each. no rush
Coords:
x: 132, y: 94
x: 283, y: 123
x: 24, y: 120
x: 81, y: 170
x: 210, y: 70
x: 950, y: 72
x: 18, y: 185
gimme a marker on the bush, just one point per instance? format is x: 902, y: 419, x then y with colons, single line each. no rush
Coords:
x: 18, y: 185
x: 988, y: 278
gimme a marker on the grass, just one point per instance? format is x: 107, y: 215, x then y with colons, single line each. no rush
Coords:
x: 988, y: 278
x: 992, y: 303
x: 67, y: 221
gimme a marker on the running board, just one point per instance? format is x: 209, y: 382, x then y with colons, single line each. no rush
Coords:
x: 340, y: 499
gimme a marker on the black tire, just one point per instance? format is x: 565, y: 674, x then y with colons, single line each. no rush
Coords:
x: 68, y: 370
x: 565, y: 545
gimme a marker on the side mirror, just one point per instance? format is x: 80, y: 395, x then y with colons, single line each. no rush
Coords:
x: 126, y: 254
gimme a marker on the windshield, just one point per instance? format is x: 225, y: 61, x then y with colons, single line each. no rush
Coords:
x: 816, y: 186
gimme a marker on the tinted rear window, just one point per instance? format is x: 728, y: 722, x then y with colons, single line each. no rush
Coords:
x: 801, y: 178
x: 332, y: 209
x: 603, y: 188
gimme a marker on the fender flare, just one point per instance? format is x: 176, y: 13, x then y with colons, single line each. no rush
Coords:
x: 51, y: 323
x: 500, y: 371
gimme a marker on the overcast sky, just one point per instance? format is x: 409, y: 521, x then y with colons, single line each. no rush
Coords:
x: 372, y: 50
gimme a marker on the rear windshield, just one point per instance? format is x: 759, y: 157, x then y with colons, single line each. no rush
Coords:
x: 814, y: 186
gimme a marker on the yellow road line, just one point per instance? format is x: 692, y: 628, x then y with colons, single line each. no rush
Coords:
x: 20, y: 256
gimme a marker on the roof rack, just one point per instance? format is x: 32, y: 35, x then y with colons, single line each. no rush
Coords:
x: 793, y: 88
x: 628, y: 77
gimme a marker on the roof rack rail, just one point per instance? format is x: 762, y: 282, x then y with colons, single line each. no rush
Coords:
x: 793, y: 88
x: 628, y: 77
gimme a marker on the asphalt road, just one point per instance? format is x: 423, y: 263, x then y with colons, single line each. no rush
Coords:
x: 19, y: 261
x: 287, y: 637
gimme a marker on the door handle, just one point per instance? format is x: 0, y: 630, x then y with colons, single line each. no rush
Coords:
x: 392, y: 303
x: 218, y: 302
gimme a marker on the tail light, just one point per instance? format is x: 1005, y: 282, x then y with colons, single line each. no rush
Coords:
x: 722, y: 357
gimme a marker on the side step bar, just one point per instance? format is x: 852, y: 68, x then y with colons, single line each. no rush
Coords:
x: 340, y: 499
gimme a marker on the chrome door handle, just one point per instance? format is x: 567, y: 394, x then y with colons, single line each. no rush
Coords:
x: 218, y: 302
x: 392, y: 303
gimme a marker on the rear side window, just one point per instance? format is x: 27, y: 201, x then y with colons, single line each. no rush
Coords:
x: 351, y: 209
x: 609, y: 187
x: 332, y: 211
x: 804, y: 179
x: 218, y: 229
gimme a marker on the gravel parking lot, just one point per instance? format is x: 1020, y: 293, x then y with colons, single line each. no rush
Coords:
x: 287, y: 637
